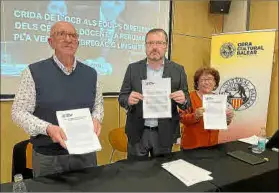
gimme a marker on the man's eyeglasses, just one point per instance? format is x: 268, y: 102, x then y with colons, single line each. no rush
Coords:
x: 157, y: 43
x: 64, y: 34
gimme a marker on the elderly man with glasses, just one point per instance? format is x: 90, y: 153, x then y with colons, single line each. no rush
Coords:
x: 154, y: 136
x: 57, y: 83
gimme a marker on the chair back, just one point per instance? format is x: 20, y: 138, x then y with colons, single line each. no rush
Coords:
x: 118, y: 139
x: 29, y: 150
x: 22, y: 159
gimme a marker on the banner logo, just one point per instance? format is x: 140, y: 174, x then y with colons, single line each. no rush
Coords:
x: 227, y: 50
x: 242, y: 49
x: 240, y: 91
x: 248, y: 49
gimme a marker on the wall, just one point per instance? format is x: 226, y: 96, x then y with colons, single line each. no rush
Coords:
x: 191, y: 36
x: 264, y: 15
x: 10, y: 135
x: 236, y: 20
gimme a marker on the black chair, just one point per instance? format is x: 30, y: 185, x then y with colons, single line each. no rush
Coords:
x: 273, y: 141
x: 19, y: 160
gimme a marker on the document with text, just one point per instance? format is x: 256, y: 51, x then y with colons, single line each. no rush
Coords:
x: 214, y: 116
x: 156, y: 98
x: 186, y: 172
x: 79, y: 129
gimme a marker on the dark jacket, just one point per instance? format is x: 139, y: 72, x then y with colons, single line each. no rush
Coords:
x: 168, y: 127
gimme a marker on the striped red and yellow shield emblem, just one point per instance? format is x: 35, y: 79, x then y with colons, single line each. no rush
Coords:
x: 236, y: 103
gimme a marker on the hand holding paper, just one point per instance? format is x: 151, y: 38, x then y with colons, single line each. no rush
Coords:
x: 157, y: 102
x: 134, y: 98
x: 199, y: 113
x: 214, y: 116
x: 97, y: 126
x: 57, y: 135
x: 178, y: 96
x: 230, y: 115
x: 78, y: 127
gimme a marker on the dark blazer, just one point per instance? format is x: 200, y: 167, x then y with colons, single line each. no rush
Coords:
x: 136, y: 72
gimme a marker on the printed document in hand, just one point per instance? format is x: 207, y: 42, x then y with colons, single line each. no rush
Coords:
x: 214, y: 116
x: 186, y: 172
x: 78, y: 126
x: 156, y: 98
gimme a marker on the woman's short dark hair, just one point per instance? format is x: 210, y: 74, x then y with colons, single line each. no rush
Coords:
x: 206, y: 70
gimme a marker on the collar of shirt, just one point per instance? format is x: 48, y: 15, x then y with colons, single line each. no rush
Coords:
x: 156, y: 70
x: 62, y: 67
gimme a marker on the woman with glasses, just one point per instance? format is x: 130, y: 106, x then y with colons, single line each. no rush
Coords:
x: 206, y: 80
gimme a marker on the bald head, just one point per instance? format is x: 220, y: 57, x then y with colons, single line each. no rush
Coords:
x: 63, y: 39
x: 62, y: 25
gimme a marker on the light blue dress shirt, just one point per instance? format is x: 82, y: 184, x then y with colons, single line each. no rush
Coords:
x: 150, y: 74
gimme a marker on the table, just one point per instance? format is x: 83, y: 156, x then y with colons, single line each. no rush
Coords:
x: 123, y: 176
x: 229, y: 174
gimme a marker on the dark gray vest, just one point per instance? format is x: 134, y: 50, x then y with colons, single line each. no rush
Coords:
x: 57, y: 91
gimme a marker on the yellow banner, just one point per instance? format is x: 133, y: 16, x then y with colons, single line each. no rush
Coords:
x: 244, y: 61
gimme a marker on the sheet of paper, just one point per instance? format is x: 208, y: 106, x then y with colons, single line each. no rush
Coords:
x: 184, y: 165
x: 186, y: 172
x: 156, y: 101
x: 79, y: 129
x: 253, y: 140
x: 214, y: 116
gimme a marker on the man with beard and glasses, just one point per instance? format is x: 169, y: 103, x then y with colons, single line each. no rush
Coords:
x: 154, y: 136
x: 58, y: 83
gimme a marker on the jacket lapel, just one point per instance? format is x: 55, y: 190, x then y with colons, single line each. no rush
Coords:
x: 143, y: 70
x: 166, y: 72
